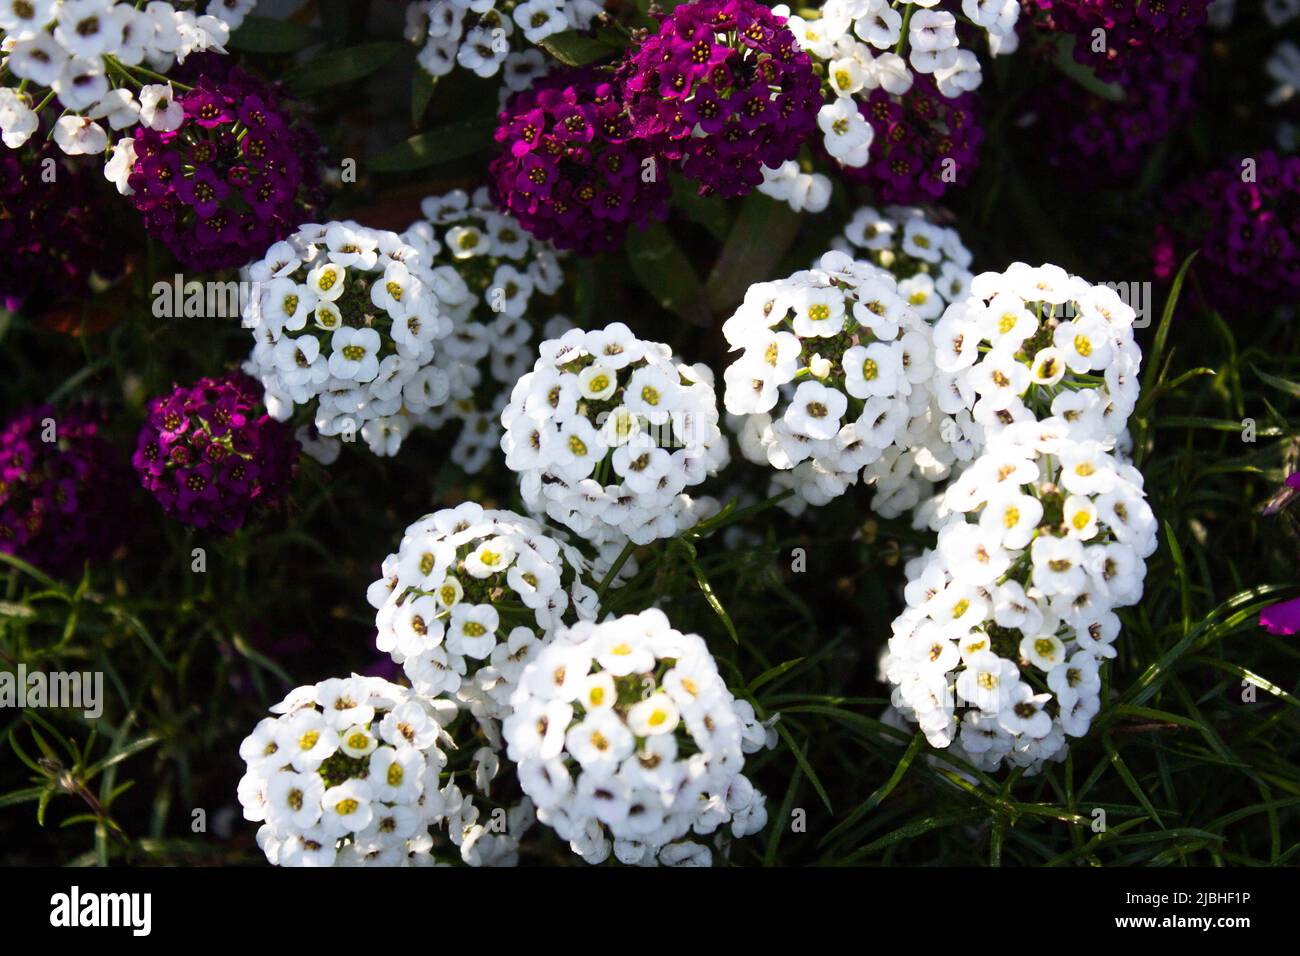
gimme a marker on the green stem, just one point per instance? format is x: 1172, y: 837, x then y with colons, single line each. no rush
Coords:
x: 614, y: 568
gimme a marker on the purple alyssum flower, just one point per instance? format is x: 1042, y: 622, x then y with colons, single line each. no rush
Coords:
x: 1245, y: 220
x: 731, y: 71
x: 64, y: 489
x: 570, y: 169
x: 1133, y: 32
x: 1098, y: 140
x: 238, y: 175
x: 52, y: 228
x: 923, y: 143
x: 208, y: 455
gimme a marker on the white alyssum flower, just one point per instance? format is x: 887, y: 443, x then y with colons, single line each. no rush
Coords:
x: 801, y: 191
x: 834, y: 365
x: 1040, y: 540
x: 347, y: 773
x: 491, y: 298
x: 865, y: 45
x: 484, y: 37
x: 469, y: 596
x: 64, y: 47
x: 374, y: 328
x: 607, y: 433
x: 1033, y: 342
x: 628, y: 740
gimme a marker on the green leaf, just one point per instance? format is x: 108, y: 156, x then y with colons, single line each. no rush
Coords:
x: 804, y: 765
x: 688, y: 551
x: 265, y: 35
x: 1166, y: 320
x: 916, y: 828
x: 423, y: 85
x: 1281, y: 384
x: 764, y: 230
x: 338, y: 67
x: 578, y: 49
x: 130, y: 750
x: 667, y: 274
x: 1084, y: 75
x: 441, y: 145
x: 21, y: 796
x: 881, y: 792
x: 772, y: 673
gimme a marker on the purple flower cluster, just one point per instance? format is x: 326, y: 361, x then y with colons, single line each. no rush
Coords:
x: 237, y: 176
x: 1134, y: 30
x: 1096, y: 140
x: 732, y: 70
x: 571, y: 171
x: 208, y: 456
x: 1246, y: 222
x: 924, y: 143
x: 63, y: 489
x: 52, y: 228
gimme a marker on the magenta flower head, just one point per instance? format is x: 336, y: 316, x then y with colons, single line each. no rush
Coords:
x: 570, y: 170
x: 236, y: 176
x: 1116, y: 37
x: 52, y: 228
x: 731, y: 71
x: 1095, y: 140
x: 923, y: 143
x: 1245, y: 219
x: 208, y: 455
x: 63, y: 489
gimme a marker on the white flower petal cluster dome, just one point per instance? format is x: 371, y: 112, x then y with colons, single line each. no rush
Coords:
x: 469, y: 596
x: 1033, y: 342
x: 607, y: 432
x: 347, y: 773
x: 488, y: 275
x: 625, y: 733
x: 343, y: 324
x: 834, y: 365
x: 930, y: 261
x: 1011, y: 615
x: 70, y: 48
x: 497, y: 36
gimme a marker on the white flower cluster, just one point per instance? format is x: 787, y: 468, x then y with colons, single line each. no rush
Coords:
x: 485, y: 270
x: 607, y: 432
x: 469, y: 595
x: 485, y: 36
x: 930, y: 261
x: 347, y: 774
x: 1034, y: 341
x: 835, y: 364
x: 801, y: 191
x: 80, y: 51
x: 624, y: 731
x: 339, y: 319
x: 864, y: 45
x: 1011, y: 615
x: 931, y: 264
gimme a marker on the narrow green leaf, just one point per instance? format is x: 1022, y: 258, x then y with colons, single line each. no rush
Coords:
x: 667, y: 274
x: 441, y: 145
x: 763, y: 232
x: 578, y: 49
x: 1084, y: 76
x: 265, y: 35
x: 339, y: 67
x: 802, y: 760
